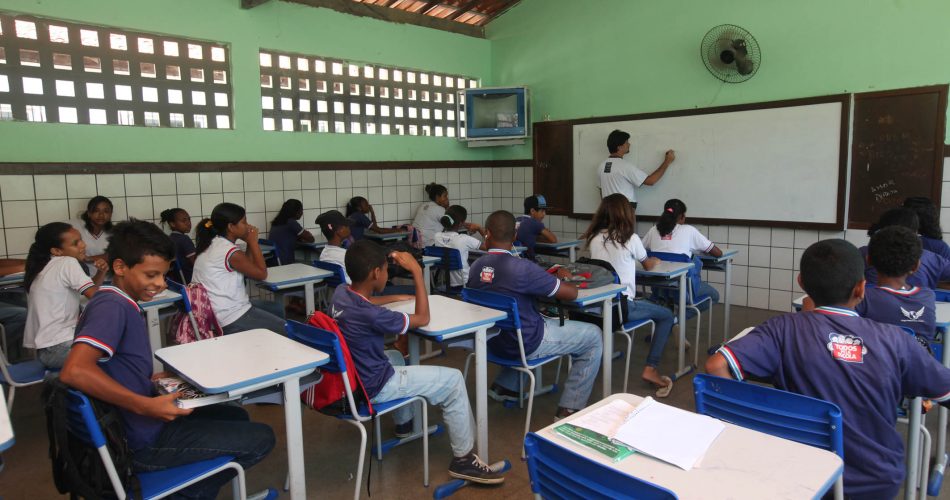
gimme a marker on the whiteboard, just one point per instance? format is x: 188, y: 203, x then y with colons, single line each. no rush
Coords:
x: 779, y: 164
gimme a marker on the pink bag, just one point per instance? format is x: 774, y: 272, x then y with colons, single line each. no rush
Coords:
x: 182, y: 328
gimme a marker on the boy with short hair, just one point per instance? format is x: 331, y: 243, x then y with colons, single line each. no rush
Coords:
x: 335, y: 228
x: 111, y: 360
x: 530, y: 226
x: 895, y: 252
x: 504, y: 273
x: 383, y: 373
x: 831, y: 353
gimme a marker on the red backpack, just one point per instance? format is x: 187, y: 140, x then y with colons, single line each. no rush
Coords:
x: 329, y: 395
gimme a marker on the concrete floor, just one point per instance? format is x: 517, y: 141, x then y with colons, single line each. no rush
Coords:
x: 331, y: 445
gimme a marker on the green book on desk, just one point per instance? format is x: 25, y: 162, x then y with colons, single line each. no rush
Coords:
x: 595, y: 441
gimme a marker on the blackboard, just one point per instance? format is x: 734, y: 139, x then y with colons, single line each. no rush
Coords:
x: 897, y: 150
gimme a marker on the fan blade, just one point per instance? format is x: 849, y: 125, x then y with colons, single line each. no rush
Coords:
x: 744, y: 66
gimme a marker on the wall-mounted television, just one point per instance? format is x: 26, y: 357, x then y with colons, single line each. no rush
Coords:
x: 494, y: 113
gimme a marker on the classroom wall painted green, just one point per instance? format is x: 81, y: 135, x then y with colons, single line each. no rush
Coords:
x: 274, y: 25
x: 613, y: 57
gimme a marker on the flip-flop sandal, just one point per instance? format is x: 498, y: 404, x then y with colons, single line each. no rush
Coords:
x: 664, y: 391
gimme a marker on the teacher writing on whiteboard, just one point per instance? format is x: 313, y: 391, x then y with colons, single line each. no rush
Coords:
x: 620, y: 176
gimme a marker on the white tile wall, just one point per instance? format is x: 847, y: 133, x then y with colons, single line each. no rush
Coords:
x: 27, y: 201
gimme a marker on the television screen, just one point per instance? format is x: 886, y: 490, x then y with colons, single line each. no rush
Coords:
x: 495, y: 113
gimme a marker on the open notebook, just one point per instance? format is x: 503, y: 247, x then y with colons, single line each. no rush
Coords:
x: 675, y: 436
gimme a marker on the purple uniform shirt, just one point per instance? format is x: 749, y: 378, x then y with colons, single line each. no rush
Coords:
x: 113, y: 323
x: 359, y: 223
x: 503, y: 273
x: 528, y: 230
x: 915, y: 308
x: 285, y: 237
x: 933, y: 269
x: 863, y: 366
x: 364, y: 325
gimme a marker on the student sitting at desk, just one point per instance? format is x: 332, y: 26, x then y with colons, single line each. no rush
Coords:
x: 932, y: 269
x: 831, y: 353
x: 453, y: 236
x: 611, y: 238
x: 356, y: 210
x: 286, y: 231
x: 111, y: 360
x: 931, y: 235
x: 95, y: 225
x: 335, y: 229
x: 530, y: 226
x: 221, y: 267
x: 55, y: 278
x: 502, y: 272
x: 430, y: 213
x: 671, y: 234
x: 384, y: 374
x: 179, y: 221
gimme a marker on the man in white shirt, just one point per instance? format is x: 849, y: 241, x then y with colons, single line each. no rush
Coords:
x: 620, y: 176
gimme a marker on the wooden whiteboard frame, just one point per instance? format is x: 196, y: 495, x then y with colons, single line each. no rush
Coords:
x: 843, y: 99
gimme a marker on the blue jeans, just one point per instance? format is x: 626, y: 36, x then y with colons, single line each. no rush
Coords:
x: 54, y: 356
x: 441, y: 386
x: 207, y: 433
x: 584, y: 342
x: 13, y: 319
x: 262, y: 314
x: 661, y: 316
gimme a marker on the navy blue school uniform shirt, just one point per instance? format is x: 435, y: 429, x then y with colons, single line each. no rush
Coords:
x: 936, y: 246
x: 914, y: 308
x: 933, y: 269
x: 501, y: 272
x: 359, y: 223
x: 364, y: 325
x: 184, y: 248
x: 284, y: 237
x: 528, y: 230
x: 113, y: 323
x: 863, y: 366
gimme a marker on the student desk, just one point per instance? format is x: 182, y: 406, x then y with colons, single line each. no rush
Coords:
x: 399, y: 235
x: 451, y: 319
x: 663, y: 274
x: 6, y: 428
x: 310, y: 248
x: 165, y: 299
x: 427, y: 262
x: 11, y: 280
x: 570, y: 246
x: 516, y: 250
x: 295, y: 275
x: 724, y: 264
x: 740, y: 463
x: 937, y: 473
x: 244, y: 362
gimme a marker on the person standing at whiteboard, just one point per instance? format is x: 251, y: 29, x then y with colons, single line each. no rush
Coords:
x: 620, y: 176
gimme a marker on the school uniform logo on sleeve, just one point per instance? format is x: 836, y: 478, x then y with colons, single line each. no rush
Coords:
x: 912, y: 315
x: 607, y: 167
x: 847, y: 348
x: 487, y: 275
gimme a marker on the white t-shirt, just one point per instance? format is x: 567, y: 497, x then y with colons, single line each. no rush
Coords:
x: 620, y: 176
x: 225, y: 286
x: 684, y: 239
x: 95, y: 245
x: 463, y: 243
x: 54, y: 303
x: 623, y: 258
x: 427, y: 221
x: 335, y: 255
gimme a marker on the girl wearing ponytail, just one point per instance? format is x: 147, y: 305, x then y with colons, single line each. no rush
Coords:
x: 54, y: 279
x: 454, y: 235
x: 671, y: 234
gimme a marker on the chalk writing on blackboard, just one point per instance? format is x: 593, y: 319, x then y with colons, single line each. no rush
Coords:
x: 883, y: 191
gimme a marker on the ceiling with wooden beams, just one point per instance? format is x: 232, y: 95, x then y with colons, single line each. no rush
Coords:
x: 473, y: 12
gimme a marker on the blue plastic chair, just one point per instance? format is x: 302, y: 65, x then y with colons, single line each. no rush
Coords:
x: 22, y: 374
x: 918, y: 465
x: 779, y: 413
x: 330, y: 283
x: 328, y: 343
x: 276, y: 256
x: 82, y: 424
x: 177, y: 269
x: 451, y: 260
x: 512, y: 322
x: 694, y: 301
x: 559, y: 473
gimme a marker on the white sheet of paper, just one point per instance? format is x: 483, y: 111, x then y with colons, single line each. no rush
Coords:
x: 669, y: 434
x: 606, y: 419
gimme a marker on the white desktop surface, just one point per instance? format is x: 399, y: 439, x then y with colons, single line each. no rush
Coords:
x: 428, y: 260
x: 588, y: 296
x: 665, y: 269
x: 227, y: 363
x: 448, y: 316
x: 559, y: 245
x: 740, y: 464
x: 289, y: 274
x: 166, y: 297
x: 943, y: 314
x: 12, y: 279
x: 727, y: 253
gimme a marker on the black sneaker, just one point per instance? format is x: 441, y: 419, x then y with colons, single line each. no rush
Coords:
x: 500, y: 394
x: 403, y: 430
x: 471, y: 468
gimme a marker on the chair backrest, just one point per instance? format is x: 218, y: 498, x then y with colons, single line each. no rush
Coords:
x: 276, y: 255
x: 695, y: 274
x: 83, y: 425
x: 451, y: 257
x: 180, y: 290
x: 327, y: 342
x: 779, y: 413
x: 557, y: 472
x: 177, y: 269
x: 499, y: 302
x: 339, y: 275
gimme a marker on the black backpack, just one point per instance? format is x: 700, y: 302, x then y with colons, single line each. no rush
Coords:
x: 77, y: 467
